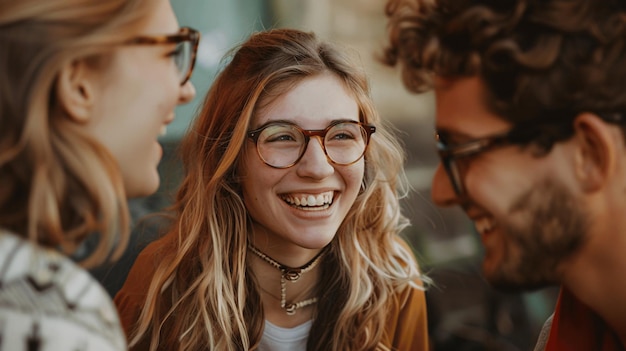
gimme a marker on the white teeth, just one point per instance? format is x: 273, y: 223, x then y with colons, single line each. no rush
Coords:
x: 484, y: 225
x: 311, y: 200
x: 163, y: 130
x: 320, y: 200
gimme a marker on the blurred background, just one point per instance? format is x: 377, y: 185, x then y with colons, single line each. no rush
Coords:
x: 464, y: 312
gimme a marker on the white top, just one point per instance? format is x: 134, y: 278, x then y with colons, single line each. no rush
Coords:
x: 48, y: 303
x: 544, y: 335
x: 276, y: 338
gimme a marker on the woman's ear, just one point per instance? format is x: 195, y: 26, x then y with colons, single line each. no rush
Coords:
x: 597, y: 152
x: 75, y: 90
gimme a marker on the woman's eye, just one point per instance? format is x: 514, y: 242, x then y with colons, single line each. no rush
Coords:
x: 281, y: 137
x: 342, y: 136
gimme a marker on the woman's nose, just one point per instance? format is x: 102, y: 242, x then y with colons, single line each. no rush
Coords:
x: 314, y: 163
x: 187, y: 92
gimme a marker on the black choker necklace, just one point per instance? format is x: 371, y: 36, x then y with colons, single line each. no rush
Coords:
x: 289, y: 274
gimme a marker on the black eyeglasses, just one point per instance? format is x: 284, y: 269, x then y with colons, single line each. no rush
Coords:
x: 186, y: 41
x: 282, y: 144
x: 450, y: 154
x: 520, y: 135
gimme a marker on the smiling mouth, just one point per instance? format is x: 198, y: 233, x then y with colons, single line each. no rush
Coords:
x: 309, y: 202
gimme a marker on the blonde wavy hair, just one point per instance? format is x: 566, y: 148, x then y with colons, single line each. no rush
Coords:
x: 57, y: 184
x: 202, y: 295
x: 542, y: 62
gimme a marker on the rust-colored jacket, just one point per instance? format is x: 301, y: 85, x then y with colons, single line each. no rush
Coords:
x: 406, y: 330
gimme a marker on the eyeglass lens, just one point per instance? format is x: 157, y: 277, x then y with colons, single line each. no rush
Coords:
x: 182, y: 58
x: 282, y: 145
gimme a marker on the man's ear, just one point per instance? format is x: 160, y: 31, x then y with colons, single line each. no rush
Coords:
x: 75, y: 90
x: 597, y: 151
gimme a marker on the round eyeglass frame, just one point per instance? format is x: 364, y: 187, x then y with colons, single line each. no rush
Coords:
x: 308, y: 133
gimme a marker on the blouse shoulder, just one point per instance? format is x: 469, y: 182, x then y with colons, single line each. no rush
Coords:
x: 46, y: 299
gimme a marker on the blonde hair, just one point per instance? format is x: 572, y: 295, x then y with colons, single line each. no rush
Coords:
x: 58, y: 185
x: 202, y: 296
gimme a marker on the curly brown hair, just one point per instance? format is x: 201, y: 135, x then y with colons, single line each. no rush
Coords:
x: 542, y: 61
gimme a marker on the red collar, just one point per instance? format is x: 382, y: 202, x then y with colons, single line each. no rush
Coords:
x: 576, y: 327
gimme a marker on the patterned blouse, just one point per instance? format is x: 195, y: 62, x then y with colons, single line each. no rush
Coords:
x: 47, y: 302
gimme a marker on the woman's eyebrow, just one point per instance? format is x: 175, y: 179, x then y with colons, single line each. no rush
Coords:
x: 286, y: 121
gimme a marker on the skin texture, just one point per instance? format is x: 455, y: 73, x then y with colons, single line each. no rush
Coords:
x: 137, y: 92
x: 543, y: 218
x: 529, y: 222
x: 290, y: 235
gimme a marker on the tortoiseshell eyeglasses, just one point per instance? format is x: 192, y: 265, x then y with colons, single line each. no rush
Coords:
x: 186, y: 40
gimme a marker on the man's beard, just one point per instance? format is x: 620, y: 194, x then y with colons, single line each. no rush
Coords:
x: 544, y: 226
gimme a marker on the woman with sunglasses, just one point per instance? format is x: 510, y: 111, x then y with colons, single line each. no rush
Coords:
x: 285, y: 234
x: 86, y: 88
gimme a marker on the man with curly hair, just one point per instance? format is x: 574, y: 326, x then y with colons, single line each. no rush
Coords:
x: 530, y: 129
